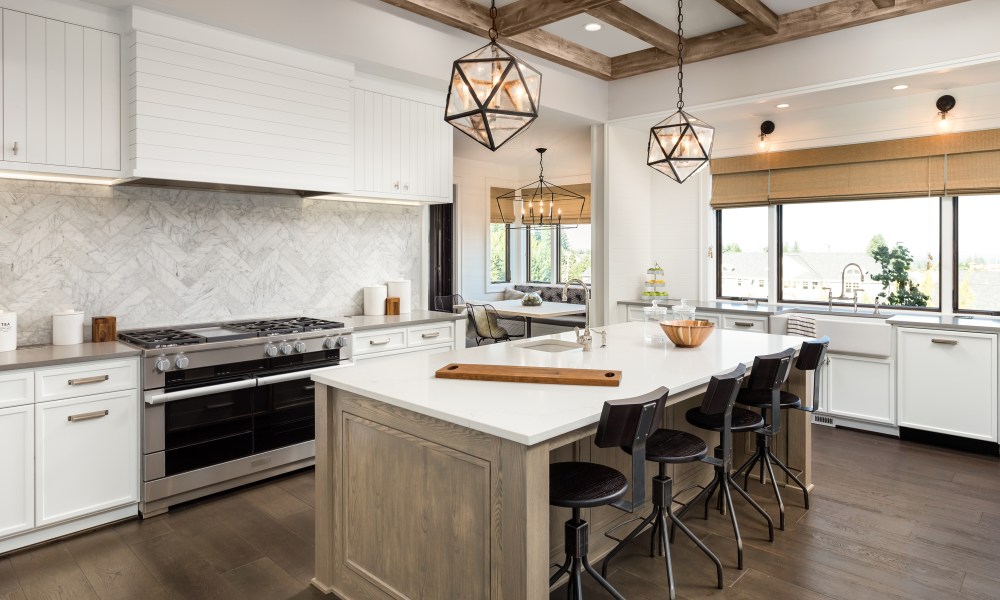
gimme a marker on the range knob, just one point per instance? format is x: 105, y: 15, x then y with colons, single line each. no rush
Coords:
x: 300, y: 346
x: 332, y: 343
x: 181, y: 362
x: 270, y: 350
x: 162, y: 364
x: 286, y: 348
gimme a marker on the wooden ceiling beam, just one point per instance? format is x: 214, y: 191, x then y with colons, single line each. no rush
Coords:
x: 754, y: 13
x: 525, y: 15
x: 638, y: 25
x: 475, y: 19
x: 816, y: 20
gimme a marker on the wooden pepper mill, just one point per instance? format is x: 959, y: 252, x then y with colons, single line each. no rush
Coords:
x: 392, y: 306
x: 104, y: 329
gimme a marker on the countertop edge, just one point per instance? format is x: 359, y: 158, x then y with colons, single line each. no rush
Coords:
x: 971, y: 325
x: 47, y: 356
x: 403, y: 320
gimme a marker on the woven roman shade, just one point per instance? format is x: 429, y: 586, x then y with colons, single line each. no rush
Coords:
x: 571, y: 211
x: 962, y: 163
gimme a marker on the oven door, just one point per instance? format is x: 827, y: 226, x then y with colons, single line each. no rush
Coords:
x: 205, y: 425
x: 285, y: 409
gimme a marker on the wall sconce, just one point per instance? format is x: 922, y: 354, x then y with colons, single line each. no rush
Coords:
x: 943, y: 123
x: 766, y: 129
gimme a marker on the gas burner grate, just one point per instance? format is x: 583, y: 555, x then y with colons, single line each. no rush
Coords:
x: 310, y: 324
x: 160, y: 338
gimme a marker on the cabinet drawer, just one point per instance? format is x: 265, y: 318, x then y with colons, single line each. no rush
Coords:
x: 744, y: 323
x: 17, y: 388
x: 713, y: 319
x: 86, y: 455
x: 84, y: 379
x: 380, y: 340
x: 429, y: 335
x: 634, y: 314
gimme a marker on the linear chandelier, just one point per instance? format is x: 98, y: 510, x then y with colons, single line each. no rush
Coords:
x: 543, y: 205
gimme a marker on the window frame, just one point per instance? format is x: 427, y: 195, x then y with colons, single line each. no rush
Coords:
x: 718, y: 263
x: 939, y: 308
x: 954, y: 267
x: 507, y: 242
x: 527, y: 257
x: 558, y: 242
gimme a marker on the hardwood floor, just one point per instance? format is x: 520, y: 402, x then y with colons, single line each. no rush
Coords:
x: 889, y: 520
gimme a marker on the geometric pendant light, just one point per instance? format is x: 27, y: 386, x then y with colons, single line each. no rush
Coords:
x: 492, y: 95
x: 680, y: 145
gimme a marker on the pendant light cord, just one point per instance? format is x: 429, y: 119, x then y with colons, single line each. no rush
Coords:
x: 680, y: 54
x: 494, y: 34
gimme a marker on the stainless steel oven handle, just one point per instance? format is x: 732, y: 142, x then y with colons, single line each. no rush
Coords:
x: 298, y: 374
x: 154, y: 399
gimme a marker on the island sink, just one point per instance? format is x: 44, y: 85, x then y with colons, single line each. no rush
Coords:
x: 551, y: 346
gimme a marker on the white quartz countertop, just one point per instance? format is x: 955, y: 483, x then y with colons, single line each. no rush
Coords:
x: 417, y: 317
x: 532, y: 413
x: 959, y: 323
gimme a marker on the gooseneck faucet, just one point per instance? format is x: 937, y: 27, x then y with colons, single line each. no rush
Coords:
x: 584, y: 338
x: 843, y: 287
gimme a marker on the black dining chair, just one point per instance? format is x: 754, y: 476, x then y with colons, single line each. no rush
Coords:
x: 488, y: 325
x: 448, y: 303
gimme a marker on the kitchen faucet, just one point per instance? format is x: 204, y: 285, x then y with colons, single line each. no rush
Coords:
x: 584, y: 338
x: 843, y: 288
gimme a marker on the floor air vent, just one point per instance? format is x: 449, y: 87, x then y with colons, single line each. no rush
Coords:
x: 823, y: 420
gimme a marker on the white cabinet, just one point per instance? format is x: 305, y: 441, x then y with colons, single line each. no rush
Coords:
x: 87, y: 455
x: 402, y: 148
x: 17, y: 388
x: 379, y: 340
x: 743, y: 323
x: 61, y: 97
x: 860, y: 388
x: 17, y: 469
x: 947, y: 382
x: 427, y: 338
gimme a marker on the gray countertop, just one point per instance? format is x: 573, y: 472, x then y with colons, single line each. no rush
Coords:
x: 720, y: 306
x: 951, y: 322
x: 417, y: 317
x: 31, y: 357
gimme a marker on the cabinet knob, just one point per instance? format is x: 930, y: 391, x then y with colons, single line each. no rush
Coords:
x: 406, y: 188
x: 396, y: 185
x: 14, y: 149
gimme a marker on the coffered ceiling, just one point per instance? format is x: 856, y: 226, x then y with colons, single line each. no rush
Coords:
x: 639, y: 36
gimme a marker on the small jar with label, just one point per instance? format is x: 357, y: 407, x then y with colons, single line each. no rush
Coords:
x: 683, y: 311
x: 651, y: 331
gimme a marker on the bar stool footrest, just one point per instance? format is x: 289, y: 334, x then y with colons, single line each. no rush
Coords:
x: 608, y: 533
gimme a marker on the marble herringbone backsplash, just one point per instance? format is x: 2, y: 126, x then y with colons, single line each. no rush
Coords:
x: 157, y: 256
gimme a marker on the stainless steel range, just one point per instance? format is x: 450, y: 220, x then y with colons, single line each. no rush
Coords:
x: 230, y: 403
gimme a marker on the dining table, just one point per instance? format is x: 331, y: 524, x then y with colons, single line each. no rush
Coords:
x: 546, y: 310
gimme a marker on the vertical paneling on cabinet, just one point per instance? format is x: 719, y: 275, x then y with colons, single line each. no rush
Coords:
x: 402, y: 148
x: 61, y: 93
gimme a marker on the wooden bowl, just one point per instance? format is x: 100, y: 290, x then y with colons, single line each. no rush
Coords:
x: 687, y: 334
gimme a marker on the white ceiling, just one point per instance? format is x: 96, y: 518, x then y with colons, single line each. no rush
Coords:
x: 552, y: 129
x: 608, y: 40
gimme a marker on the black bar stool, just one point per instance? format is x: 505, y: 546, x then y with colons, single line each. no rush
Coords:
x: 669, y: 446
x: 763, y: 391
x: 812, y: 355
x: 577, y: 485
x: 718, y: 413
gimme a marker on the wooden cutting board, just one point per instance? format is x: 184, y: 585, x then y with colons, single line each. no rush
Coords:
x: 530, y: 374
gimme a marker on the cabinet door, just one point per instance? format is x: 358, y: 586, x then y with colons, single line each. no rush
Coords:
x: 947, y: 382
x: 87, y: 455
x: 15, y: 86
x: 861, y: 388
x: 17, y: 469
x: 17, y: 388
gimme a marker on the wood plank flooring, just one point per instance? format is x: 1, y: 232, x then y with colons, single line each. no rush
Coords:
x: 890, y: 520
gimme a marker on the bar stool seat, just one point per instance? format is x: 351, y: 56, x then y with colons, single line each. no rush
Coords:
x: 762, y: 399
x: 670, y: 446
x: 585, y: 485
x: 743, y: 420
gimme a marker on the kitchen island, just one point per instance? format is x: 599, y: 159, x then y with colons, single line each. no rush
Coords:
x: 437, y: 488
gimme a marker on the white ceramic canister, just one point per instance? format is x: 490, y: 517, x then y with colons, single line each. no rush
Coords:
x: 400, y: 288
x: 8, y: 331
x: 375, y: 296
x: 67, y: 327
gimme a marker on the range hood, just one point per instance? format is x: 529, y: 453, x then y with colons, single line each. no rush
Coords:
x: 219, y: 187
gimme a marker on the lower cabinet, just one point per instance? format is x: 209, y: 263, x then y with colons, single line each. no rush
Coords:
x: 17, y: 469
x: 429, y: 338
x: 860, y: 388
x: 86, y: 453
x: 947, y: 382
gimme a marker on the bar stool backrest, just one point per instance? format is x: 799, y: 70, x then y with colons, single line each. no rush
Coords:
x: 771, y: 371
x: 447, y: 303
x: 628, y: 422
x: 812, y: 355
x: 722, y: 390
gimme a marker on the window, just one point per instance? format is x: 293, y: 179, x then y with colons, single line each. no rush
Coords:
x: 818, y: 240
x: 741, y: 235
x: 539, y: 255
x: 574, y: 253
x: 977, y: 255
x: 499, y: 253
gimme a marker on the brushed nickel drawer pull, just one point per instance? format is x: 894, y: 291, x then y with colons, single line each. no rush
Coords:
x: 97, y: 414
x: 743, y: 324
x: 86, y: 380
x: 428, y: 336
x: 378, y: 342
x: 945, y: 342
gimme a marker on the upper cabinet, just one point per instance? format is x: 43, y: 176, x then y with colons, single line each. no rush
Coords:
x: 209, y: 105
x: 402, y: 148
x: 61, y: 97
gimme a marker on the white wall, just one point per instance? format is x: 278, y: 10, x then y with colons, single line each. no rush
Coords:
x: 629, y: 206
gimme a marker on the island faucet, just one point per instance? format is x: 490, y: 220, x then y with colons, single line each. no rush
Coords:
x: 583, y: 338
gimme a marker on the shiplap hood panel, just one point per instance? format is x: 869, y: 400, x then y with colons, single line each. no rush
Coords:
x: 209, y: 106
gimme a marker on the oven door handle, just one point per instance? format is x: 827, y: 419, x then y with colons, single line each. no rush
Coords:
x: 154, y: 399
x: 306, y: 374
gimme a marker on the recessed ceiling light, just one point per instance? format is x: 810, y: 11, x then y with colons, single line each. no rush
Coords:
x: 901, y: 86
x: 592, y: 26
x: 782, y: 105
